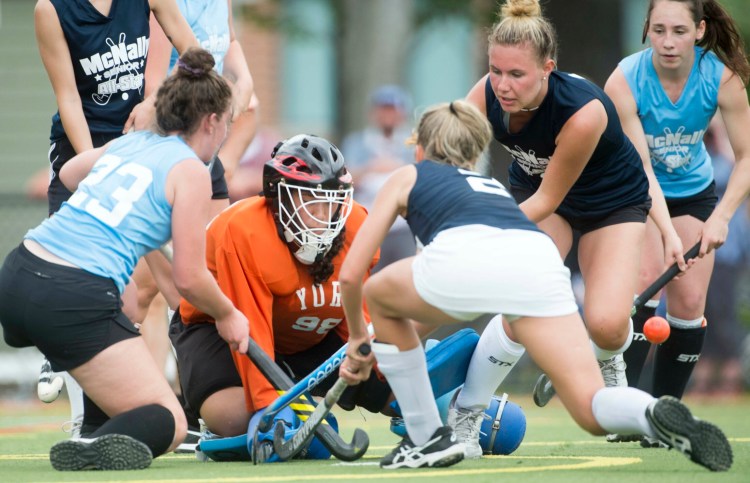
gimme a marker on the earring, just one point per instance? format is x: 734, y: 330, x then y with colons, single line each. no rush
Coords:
x: 544, y: 78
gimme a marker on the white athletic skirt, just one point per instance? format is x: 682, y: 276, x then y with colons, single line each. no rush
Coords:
x: 476, y: 269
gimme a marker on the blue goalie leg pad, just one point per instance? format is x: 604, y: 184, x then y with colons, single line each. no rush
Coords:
x: 448, y: 361
x: 225, y: 449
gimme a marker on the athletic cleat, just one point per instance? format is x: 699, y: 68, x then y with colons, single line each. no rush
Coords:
x: 73, y: 427
x: 613, y: 371
x: 466, y: 424
x: 700, y: 441
x: 108, y: 452
x: 648, y: 442
x: 189, y: 444
x: 623, y: 438
x: 50, y: 385
x: 543, y: 391
x: 442, y: 449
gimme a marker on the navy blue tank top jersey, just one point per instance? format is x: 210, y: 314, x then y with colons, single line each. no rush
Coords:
x: 613, y: 178
x: 109, y: 60
x: 446, y: 197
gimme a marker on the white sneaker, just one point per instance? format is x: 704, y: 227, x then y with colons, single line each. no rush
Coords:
x: 466, y: 424
x: 442, y: 449
x: 73, y: 427
x: 623, y: 438
x: 613, y: 371
x: 50, y: 384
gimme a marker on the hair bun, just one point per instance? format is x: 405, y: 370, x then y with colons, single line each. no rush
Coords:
x: 195, y: 62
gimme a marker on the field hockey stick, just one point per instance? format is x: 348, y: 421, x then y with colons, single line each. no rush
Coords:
x: 288, y: 449
x: 664, y: 279
x: 304, y: 385
x: 327, y: 435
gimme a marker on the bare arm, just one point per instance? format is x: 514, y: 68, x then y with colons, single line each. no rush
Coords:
x: 735, y: 112
x: 389, y: 203
x: 53, y: 49
x: 161, y: 269
x: 173, y: 27
x: 79, y: 166
x: 159, y: 54
x: 575, y: 145
x: 618, y: 90
x: 189, y: 189
x: 174, y: 24
x: 235, y: 71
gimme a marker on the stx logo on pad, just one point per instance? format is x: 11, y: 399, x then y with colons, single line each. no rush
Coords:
x: 499, y: 362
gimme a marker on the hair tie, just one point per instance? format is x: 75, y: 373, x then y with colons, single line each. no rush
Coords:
x: 452, y: 109
x: 194, y: 72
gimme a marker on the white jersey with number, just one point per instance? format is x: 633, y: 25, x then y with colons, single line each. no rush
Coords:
x: 120, y: 211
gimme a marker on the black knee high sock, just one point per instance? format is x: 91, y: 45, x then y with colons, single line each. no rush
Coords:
x: 675, y: 359
x: 93, y: 417
x: 636, y: 354
x: 152, y: 425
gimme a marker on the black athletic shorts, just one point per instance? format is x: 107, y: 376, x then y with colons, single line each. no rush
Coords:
x: 70, y: 314
x: 628, y: 214
x: 699, y: 205
x: 61, y: 151
x: 219, y: 188
x: 206, y: 366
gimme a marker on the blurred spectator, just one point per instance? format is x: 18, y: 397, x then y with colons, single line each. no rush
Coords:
x: 373, y: 153
x: 719, y: 371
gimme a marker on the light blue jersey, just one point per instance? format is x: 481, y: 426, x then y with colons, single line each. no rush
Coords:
x: 209, y: 21
x: 120, y: 211
x: 674, y: 130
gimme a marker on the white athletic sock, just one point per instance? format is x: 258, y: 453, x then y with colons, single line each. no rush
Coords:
x: 684, y: 323
x: 494, y: 357
x: 75, y: 396
x: 605, y: 355
x: 406, y: 373
x: 622, y: 410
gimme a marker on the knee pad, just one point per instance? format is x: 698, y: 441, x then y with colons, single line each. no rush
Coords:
x: 504, y: 428
x: 448, y: 361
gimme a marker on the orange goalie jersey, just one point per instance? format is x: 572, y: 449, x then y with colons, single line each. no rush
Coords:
x: 259, y: 273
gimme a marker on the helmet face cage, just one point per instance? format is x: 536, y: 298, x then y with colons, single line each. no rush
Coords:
x: 312, y: 218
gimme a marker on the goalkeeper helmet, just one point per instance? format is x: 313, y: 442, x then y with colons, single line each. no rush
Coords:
x: 310, y: 191
x: 503, y: 427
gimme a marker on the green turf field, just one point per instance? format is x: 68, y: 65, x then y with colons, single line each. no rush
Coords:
x: 554, y: 451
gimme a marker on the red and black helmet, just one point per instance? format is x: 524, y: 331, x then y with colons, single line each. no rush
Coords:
x: 305, y: 160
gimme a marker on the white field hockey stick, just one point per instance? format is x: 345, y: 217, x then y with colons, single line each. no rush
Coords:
x: 288, y: 449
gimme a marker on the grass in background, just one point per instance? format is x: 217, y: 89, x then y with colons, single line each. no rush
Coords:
x: 555, y: 450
